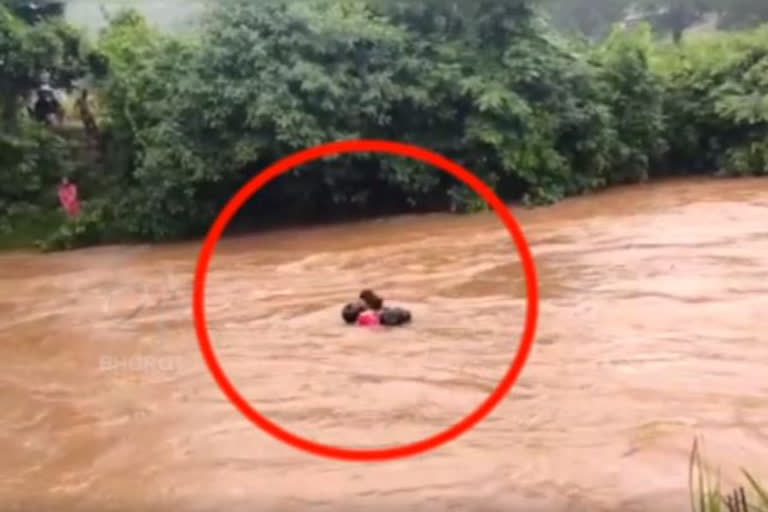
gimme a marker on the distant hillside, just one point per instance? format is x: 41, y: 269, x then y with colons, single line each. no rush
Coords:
x: 167, y: 14
x: 708, y: 22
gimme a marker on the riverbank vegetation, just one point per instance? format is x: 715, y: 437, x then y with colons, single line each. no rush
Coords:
x: 185, y: 119
x: 708, y: 496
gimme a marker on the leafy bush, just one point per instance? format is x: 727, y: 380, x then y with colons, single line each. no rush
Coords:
x: 715, y: 101
x: 26, y: 51
x: 31, y: 165
x: 84, y: 230
x: 635, y: 95
x: 502, y: 95
x: 707, y: 495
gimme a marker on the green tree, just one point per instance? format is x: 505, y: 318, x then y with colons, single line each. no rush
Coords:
x: 32, y: 158
x: 27, y: 50
x: 189, y: 118
x: 715, y: 103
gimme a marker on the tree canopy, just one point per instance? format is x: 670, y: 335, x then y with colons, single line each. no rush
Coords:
x: 188, y: 118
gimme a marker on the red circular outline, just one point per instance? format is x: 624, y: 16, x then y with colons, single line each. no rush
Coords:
x: 376, y: 146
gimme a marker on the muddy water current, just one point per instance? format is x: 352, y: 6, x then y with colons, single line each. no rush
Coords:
x: 652, y: 330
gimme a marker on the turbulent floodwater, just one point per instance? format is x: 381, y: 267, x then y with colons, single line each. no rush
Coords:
x: 652, y: 331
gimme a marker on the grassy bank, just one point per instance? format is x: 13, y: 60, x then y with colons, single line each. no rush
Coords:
x: 27, y: 230
x: 708, y: 496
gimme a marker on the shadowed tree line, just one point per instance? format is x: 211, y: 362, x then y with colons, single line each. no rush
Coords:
x: 183, y: 120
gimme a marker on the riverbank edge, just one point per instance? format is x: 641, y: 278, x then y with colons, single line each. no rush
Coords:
x: 34, y: 230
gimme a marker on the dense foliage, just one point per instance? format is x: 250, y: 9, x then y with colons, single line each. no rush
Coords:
x: 32, y: 159
x: 717, y: 102
x: 186, y: 120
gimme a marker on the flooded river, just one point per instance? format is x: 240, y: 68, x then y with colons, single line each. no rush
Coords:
x: 652, y: 330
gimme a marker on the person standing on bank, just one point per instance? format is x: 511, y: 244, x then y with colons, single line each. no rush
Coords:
x: 68, y: 197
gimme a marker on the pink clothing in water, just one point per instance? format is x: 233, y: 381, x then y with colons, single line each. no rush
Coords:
x: 68, y: 199
x: 368, y: 319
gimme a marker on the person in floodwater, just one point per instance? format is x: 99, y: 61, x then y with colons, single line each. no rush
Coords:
x: 351, y: 311
x: 394, y: 316
x: 369, y: 311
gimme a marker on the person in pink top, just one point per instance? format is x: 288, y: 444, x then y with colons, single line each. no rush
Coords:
x: 68, y: 197
x: 368, y: 319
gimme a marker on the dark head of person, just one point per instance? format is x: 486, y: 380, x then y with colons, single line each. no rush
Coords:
x: 351, y: 311
x: 371, y: 300
x: 395, y: 316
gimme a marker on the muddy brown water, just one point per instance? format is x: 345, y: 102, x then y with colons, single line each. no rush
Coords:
x: 654, y: 309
